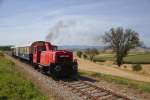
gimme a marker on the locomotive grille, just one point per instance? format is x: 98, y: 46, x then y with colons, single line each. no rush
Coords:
x: 66, y: 68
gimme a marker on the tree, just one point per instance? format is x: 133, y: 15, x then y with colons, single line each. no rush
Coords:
x: 121, y: 41
x: 79, y: 54
x: 91, y: 53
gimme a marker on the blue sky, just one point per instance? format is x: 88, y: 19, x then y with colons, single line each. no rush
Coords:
x: 24, y: 21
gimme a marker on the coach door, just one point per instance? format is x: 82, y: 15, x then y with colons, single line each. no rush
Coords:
x: 35, y: 55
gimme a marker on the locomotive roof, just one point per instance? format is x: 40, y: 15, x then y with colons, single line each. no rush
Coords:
x: 30, y: 44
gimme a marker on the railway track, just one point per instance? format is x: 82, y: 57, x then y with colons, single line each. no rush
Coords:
x: 89, y: 91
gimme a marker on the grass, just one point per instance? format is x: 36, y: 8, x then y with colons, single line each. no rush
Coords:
x: 138, y: 59
x: 132, y: 58
x: 138, y: 85
x: 15, y: 87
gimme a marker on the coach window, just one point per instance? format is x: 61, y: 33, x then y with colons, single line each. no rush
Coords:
x: 27, y: 49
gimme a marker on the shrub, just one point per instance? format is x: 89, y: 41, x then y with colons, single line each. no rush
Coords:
x: 136, y: 67
x: 1, y: 54
x: 125, y: 66
x: 79, y: 54
x: 84, y: 56
x: 91, y: 53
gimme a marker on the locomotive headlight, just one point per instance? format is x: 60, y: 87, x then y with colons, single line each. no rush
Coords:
x: 58, y: 68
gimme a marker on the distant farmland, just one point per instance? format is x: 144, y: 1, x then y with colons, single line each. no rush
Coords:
x: 132, y: 58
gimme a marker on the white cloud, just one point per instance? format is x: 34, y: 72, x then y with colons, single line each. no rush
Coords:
x: 92, y: 18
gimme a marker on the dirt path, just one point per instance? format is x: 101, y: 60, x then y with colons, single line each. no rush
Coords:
x: 90, y: 66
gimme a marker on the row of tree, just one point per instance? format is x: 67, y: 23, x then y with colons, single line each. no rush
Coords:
x: 120, y: 41
x: 88, y: 53
x: 5, y: 48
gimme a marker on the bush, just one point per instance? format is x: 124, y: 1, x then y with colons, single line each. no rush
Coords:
x: 1, y: 54
x: 125, y: 66
x: 84, y: 56
x: 136, y: 67
x: 79, y: 54
x: 91, y: 53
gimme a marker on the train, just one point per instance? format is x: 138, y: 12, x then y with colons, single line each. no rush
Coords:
x: 48, y: 59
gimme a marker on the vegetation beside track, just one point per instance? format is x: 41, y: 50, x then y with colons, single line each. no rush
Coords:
x: 138, y: 85
x: 13, y: 86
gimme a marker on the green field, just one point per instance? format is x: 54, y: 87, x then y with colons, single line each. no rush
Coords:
x: 132, y: 58
x: 15, y: 87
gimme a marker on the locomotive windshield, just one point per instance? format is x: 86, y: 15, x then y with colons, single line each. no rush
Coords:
x: 54, y: 47
x: 41, y: 48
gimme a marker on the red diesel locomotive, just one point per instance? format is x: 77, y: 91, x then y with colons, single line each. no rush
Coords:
x: 47, y: 58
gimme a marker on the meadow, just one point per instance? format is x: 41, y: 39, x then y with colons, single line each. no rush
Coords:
x: 132, y: 58
x: 13, y: 86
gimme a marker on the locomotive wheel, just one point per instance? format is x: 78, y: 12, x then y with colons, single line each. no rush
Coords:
x: 54, y: 73
x: 43, y: 70
x: 35, y: 66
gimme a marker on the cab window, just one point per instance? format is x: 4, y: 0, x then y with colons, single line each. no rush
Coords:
x: 41, y: 48
x: 54, y: 47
